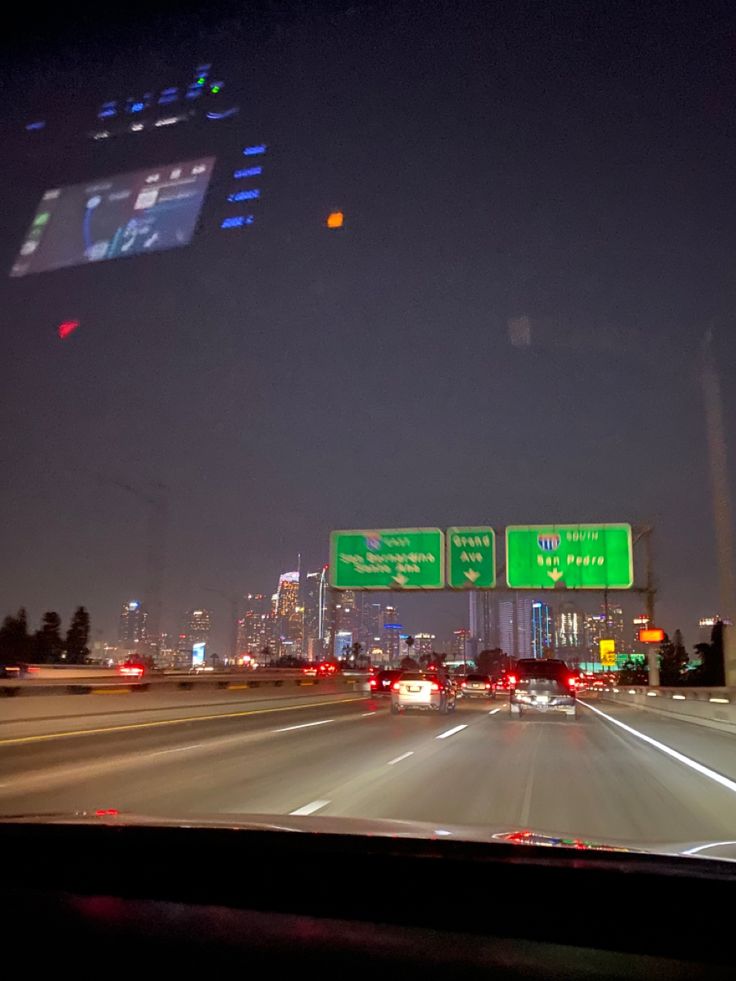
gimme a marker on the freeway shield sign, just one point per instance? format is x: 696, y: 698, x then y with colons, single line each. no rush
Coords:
x: 471, y: 558
x: 395, y: 558
x: 574, y: 556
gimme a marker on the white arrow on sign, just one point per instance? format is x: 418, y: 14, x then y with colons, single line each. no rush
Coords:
x: 555, y: 574
x: 472, y: 575
x: 401, y: 579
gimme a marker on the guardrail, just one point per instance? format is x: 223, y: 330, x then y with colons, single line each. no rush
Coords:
x: 226, y: 681
x: 713, y: 707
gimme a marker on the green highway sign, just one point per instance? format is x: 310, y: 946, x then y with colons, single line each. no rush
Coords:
x: 471, y: 558
x: 573, y: 556
x: 394, y: 558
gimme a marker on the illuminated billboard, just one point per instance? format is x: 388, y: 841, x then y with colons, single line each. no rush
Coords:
x: 129, y: 214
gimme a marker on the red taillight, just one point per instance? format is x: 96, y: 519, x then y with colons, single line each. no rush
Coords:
x: 488, y: 685
x: 572, y: 682
x: 436, y: 687
x: 512, y: 679
x: 373, y: 683
x: 395, y: 686
x: 463, y: 684
x: 106, y: 811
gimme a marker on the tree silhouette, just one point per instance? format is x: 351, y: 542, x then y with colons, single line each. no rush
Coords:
x: 15, y: 644
x: 77, y: 637
x: 47, y: 642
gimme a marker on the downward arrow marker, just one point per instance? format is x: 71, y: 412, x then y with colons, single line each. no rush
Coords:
x: 401, y: 579
x: 555, y: 574
x: 472, y: 575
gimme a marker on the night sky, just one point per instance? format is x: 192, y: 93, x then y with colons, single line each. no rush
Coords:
x: 569, y: 163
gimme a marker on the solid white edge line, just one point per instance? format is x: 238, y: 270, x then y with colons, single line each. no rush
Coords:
x: 702, y: 848
x: 398, y: 759
x: 451, y: 732
x: 680, y: 757
x: 493, y: 711
x: 304, y: 725
x: 364, y: 715
x: 310, y: 808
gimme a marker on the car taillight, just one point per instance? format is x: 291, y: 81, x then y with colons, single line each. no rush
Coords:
x: 571, y: 682
x: 395, y: 686
x: 488, y: 685
x: 512, y: 679
x: 436, y: 687
x: 463, y: 684
x: 373, y: 683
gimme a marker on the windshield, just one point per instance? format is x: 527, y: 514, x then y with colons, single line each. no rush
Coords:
x: 290, y: 290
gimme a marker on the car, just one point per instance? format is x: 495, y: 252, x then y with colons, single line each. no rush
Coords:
x: 422, y: 690
x: 477, y: 686
x: 543, y: 685
x: 380, y: 683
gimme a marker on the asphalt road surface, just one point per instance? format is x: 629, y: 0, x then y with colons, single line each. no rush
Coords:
x: 600, y: 777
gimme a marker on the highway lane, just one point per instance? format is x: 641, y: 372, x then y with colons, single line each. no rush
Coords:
x: 588, y: 779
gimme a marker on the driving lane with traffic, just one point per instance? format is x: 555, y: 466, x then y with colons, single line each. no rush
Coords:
x: 589, y: 778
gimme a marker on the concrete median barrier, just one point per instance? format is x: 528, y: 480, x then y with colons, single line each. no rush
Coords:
x: 712, y: 707
x: 108, y: 682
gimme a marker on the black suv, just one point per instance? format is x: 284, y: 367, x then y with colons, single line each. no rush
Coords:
x: 541, y: 685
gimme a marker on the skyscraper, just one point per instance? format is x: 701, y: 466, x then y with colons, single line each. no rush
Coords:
x: 542, y: 629
x: 132, y: 626
x: 514, y: 625
x: 424, y: 644
x: 569, y: 631
x: 256, y: 627
x: 289, y: 615
x: 311, y: 595
x: 195, y: 629
x: 459, y: 645
x: 391, y: 634
x: 595, y: 631
x: 483, y: 619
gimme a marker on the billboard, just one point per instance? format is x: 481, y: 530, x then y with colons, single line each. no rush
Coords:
x: 198, y: 655
x: 109, y: 218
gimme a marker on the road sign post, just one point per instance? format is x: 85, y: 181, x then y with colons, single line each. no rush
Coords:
x: 570, y: 556
x: 395, y: 558
x: 471, y: 558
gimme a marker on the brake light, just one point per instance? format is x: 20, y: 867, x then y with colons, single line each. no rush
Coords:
x: 512, y: 679
x: 488, y: 685
x: 395, y: 686
x: 436, y: 687
x: 373, y: 683
x: 571, y: 682
x: 463, y: 684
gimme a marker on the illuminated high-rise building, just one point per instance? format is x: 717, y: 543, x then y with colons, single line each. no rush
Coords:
x: 424, y: 644
x: 569, y: 631
x: 595, y: 631
x: 391, y: 634
x: 514, y: 630
x: 196, y: 627
x: 311, y: 601
x: 542, y: 629
x: 287, y: 595
x: 459, y: 644
x: 132, y: 626
x: 289, y: 615
x: 256, y: 627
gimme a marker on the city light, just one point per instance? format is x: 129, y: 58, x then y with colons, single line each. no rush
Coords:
x: 651, y: 635
x: 335, y: 219
x: 249, y: 195
x: 252, y: 151
x: 66, y: 328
